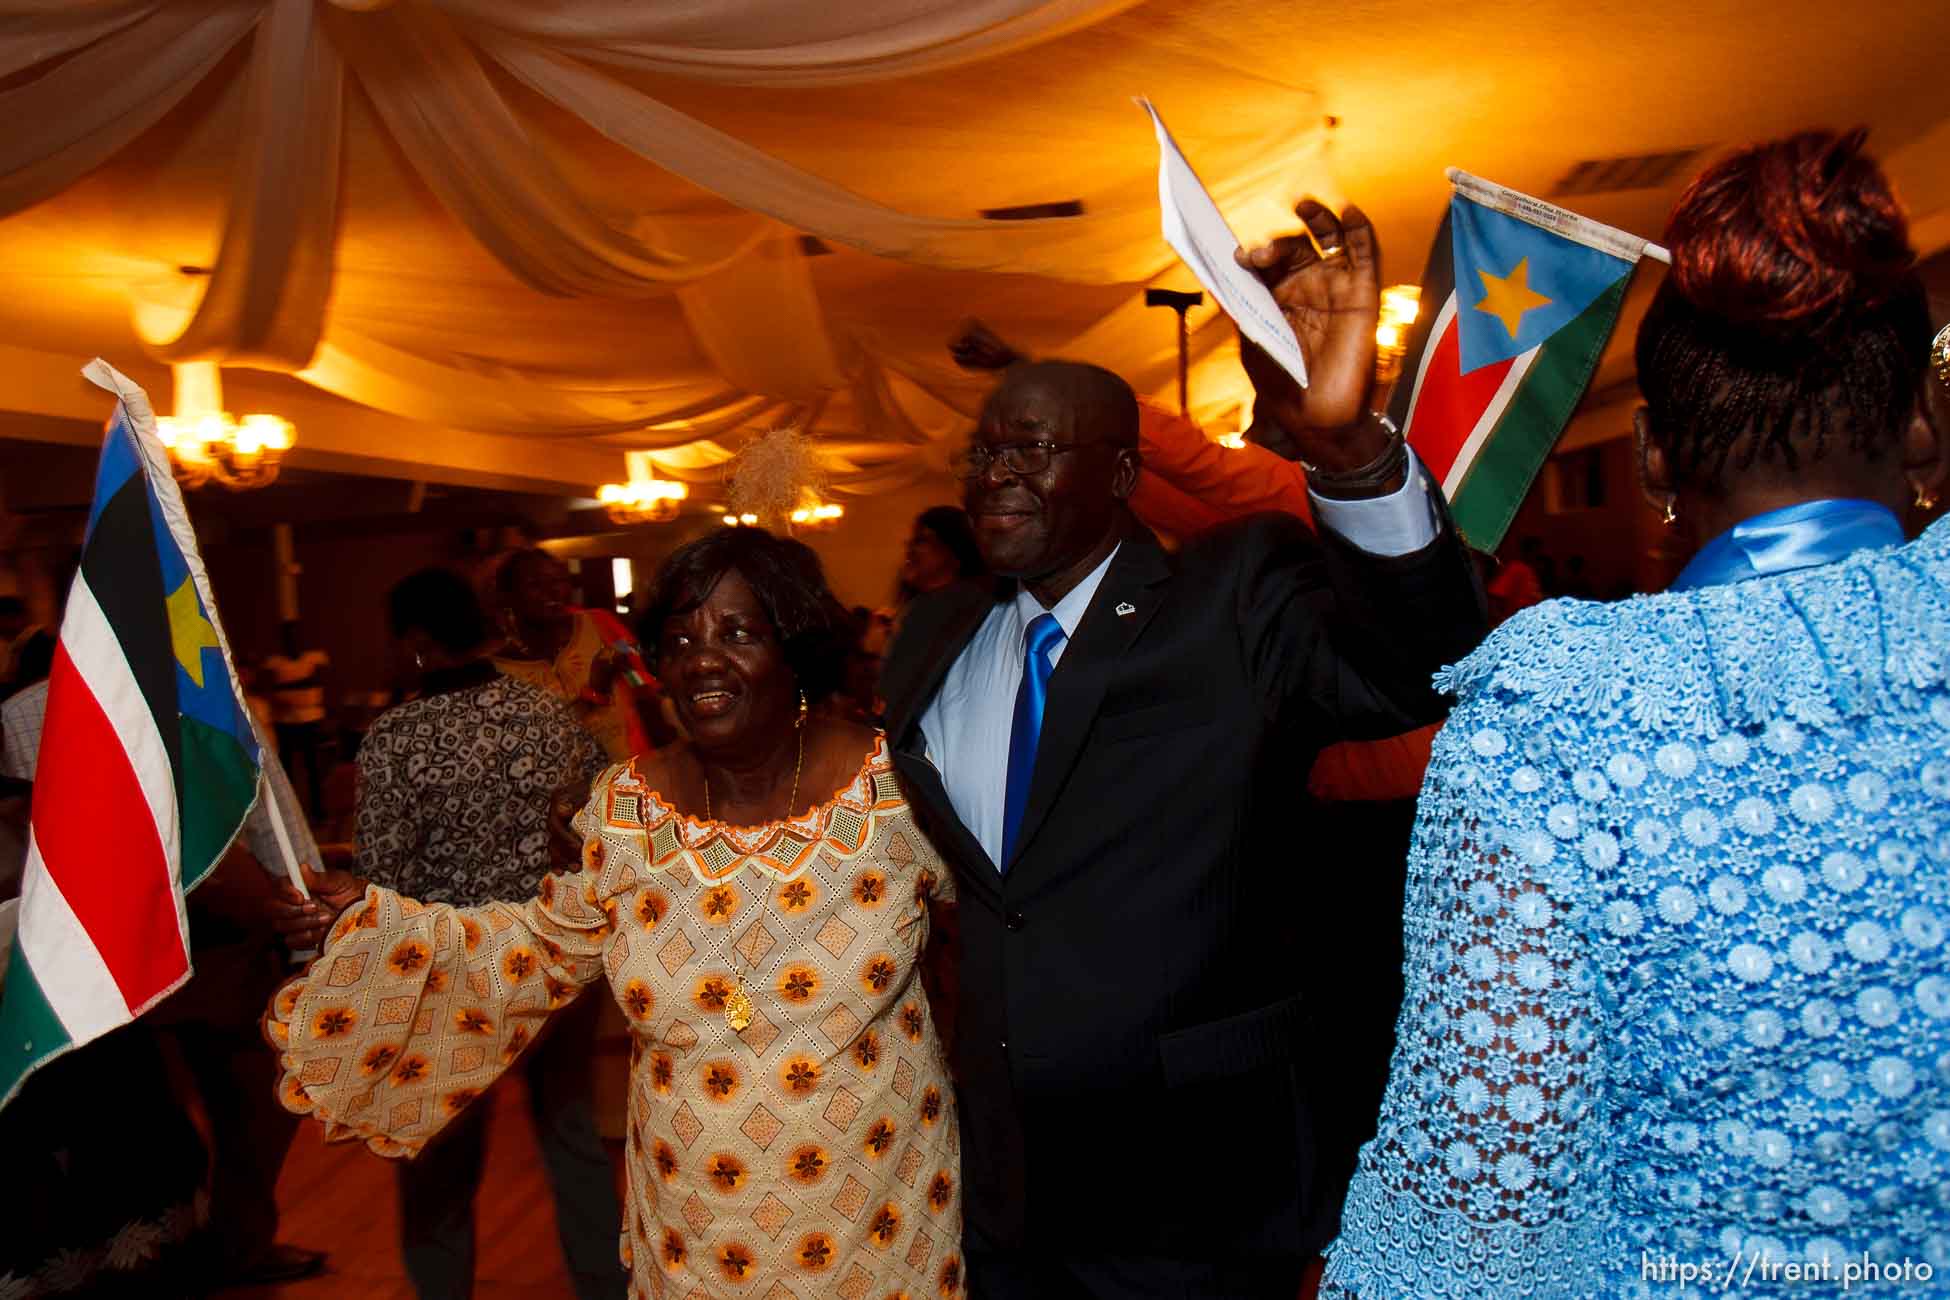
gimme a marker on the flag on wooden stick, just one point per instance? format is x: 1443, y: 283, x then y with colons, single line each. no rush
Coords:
x: 148, y: 763
x: 1517, y: 302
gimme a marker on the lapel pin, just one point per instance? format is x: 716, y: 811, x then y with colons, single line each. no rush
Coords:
x: 1126, y: 609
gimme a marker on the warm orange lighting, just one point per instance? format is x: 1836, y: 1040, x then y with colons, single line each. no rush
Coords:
x: 818, y: 514
x: 1399, y: 305
x: 642, y: 501
x: 216, y: 445
x: 206, y: 442
x: 1232, y: 441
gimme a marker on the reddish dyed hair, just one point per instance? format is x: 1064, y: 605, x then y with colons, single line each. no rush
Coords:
x: 1793, y: 319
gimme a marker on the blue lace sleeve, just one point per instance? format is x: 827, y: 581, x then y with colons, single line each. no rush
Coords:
x: 1490, y: 1151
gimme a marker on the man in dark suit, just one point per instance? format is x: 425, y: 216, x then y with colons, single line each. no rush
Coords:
x: 1109, y: 747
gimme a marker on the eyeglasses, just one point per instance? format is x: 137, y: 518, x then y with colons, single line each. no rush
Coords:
x: 1016, y: 457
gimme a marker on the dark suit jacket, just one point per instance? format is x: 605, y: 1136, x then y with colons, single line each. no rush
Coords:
x: 1131, y: 988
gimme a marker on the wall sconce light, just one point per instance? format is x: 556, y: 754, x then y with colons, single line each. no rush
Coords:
x: 1399, y: 305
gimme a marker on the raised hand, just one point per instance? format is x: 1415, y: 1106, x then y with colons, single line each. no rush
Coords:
x: 977, y: 347
x: 1329, y: 288
x: 602, y: 676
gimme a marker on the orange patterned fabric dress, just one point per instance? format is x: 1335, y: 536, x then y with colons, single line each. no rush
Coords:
x: 792, y: 1130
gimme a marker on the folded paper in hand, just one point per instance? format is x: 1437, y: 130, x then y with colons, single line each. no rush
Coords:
x: 1199, y: 235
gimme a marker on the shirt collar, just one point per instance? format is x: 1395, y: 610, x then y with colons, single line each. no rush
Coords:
x: 1069, y: 610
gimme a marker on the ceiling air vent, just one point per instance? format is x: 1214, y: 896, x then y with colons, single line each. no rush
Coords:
x: 1034, y: 211
x: 1634, y: 172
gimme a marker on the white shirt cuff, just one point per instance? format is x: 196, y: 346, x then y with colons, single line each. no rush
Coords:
x: 1402, y: 522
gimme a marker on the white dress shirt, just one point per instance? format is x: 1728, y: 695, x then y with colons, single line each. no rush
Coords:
x: 1402, y: 522
x: 967, y: 724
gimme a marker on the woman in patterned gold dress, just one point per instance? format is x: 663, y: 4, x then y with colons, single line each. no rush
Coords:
x: 792, y: 1130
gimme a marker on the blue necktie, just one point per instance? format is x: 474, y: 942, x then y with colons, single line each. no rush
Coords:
x: 1042, y: 633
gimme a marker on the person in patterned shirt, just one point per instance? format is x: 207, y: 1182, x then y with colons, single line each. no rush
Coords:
x: 757, y: 900
x: 453, y: 808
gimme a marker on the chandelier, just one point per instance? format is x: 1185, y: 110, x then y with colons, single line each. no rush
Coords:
x: 642, y: 501
x: 642, y: 497
x: 206, y: 442
x: 816, y: 514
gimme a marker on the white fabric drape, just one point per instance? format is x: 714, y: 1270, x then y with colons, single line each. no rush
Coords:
x: 1119, y: 244
x: 762, y: 348
x: 493, y: 400
x: 48, y: 29
x: 759, y: 322
x: 805, y: 44
x: 474, y: 153
x: 265, y: 305
x: 89, y: 107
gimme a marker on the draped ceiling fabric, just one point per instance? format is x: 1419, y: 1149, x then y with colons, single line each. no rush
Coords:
x: 664, y: 227
x: 499, y: 112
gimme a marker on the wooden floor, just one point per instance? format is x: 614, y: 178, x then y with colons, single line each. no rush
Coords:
x: 340, y: 1198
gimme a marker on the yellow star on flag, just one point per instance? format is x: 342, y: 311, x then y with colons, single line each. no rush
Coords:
x: 1509, y: 298
x: 189, y: 630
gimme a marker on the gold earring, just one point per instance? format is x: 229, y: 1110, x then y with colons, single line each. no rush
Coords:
x: 800, y: 721
x: 1671, y: 513
x: 1925, y: 499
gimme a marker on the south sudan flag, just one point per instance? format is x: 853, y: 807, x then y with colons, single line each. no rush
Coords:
x: 147, y: 767
x: 1517, y: 302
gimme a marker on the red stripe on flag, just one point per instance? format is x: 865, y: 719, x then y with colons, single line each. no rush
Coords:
x: 1450, y: 402
x: 98, y: 837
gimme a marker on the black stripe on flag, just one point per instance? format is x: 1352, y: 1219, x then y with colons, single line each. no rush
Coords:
x: 125, y: 576
x: 1438, y: 282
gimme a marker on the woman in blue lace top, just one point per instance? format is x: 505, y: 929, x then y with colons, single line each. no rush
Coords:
x: 1678, y: 994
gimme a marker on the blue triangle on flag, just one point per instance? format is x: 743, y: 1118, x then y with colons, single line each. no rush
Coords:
x: 1511, y: 272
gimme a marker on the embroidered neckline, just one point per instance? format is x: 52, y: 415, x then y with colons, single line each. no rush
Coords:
x: 715, y: 850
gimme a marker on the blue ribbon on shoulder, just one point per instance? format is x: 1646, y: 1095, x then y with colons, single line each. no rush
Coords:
x: 1795, y: 537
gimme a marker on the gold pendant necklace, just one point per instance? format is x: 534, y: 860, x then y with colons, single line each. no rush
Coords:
x: 738, y: 1003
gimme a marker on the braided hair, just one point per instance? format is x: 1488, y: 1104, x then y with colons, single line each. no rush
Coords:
x: 1793, y: 322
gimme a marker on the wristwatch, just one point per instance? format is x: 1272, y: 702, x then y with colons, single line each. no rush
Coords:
x: 1376, y: 476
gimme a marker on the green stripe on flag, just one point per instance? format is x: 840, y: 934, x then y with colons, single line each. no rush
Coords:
x: 30, y: 1033
x: 216, y: 783
x: 1493, y: 489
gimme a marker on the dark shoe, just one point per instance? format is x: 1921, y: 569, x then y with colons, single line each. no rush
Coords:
x: 282, y: 1262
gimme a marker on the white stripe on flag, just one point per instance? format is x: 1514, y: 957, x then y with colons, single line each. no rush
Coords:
x: 1466, y: 455
x: 66, y: 964
x: 1442, y: 319
x: 97, y: 654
